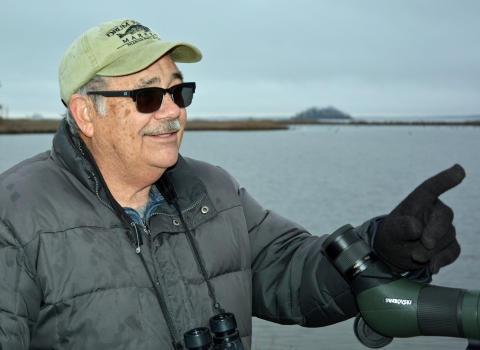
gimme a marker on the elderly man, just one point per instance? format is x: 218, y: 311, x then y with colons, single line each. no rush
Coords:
x: 112, y: 240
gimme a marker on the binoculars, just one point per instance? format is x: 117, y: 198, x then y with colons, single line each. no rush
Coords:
x: 225, y: 335
x: 393, y: 306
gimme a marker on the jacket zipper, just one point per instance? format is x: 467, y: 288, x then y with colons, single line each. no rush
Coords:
x: 146, y: 228
x: 136, y: 240
x: 98, y: 194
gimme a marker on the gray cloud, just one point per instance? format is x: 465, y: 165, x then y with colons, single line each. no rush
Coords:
x: 270, y: 57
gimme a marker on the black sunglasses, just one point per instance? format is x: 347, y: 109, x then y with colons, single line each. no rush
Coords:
x: 149, y: 100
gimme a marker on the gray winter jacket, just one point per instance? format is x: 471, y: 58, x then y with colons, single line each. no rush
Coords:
x: 71, y: 277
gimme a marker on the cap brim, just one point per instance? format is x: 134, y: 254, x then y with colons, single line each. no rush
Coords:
x: 144, y: 56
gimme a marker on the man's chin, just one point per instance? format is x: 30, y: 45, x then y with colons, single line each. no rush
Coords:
x: 169, y: 160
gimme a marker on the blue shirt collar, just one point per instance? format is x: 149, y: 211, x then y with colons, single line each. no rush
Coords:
x: 155, y: 198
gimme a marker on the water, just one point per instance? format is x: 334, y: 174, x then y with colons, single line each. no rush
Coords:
x: 326, y: 176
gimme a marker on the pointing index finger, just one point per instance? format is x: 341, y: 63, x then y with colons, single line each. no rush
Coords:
x: 431, y: 189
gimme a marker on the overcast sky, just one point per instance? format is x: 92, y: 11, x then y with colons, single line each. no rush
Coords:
x: 269, y: 57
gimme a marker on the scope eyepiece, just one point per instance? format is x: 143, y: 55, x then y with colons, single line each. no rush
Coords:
x: 350, y: 254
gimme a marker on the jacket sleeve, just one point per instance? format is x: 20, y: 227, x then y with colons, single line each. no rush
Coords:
x: 19, y: 293
x: 293, y: 283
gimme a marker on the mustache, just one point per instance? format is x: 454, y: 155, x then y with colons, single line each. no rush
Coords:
x: 167, y: 126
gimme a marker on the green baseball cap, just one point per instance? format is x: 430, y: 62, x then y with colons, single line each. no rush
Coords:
x: 116, y: 48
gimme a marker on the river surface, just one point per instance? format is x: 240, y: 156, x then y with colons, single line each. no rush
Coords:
x: 326, y: 176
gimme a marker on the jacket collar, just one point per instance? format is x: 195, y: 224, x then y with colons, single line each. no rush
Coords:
x: 70, y: 152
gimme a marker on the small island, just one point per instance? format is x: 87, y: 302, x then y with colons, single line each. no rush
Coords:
x: 322, y: 114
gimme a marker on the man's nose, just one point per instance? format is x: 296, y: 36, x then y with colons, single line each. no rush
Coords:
x: 168, y: 109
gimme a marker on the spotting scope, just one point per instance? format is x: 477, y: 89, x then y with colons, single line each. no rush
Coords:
x: 393, y: 306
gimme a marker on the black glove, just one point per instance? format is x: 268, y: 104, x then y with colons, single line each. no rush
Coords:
x: 419, y: 231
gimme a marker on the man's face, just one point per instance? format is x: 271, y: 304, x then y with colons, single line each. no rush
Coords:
x: 139, y: 144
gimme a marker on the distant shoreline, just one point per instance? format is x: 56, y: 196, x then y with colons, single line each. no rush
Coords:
x: 47, y: 126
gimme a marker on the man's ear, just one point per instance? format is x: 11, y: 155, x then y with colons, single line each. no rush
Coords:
x: 83, y: 113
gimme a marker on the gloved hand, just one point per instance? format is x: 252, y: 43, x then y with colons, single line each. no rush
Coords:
x: 419, y: 231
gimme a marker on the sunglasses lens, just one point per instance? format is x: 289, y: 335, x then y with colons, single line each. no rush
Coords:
x: 149, y: 100
x: 183, y: 95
